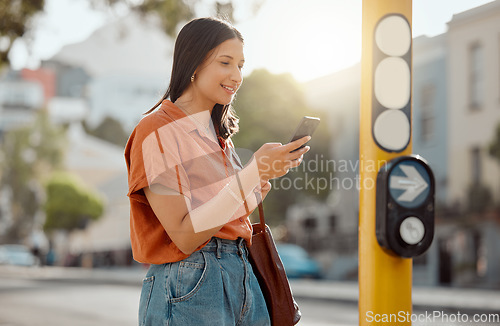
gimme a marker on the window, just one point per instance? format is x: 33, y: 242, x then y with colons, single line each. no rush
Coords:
x: 476, y: 165
x: 428, y: 97
x: 310, y: 224
x: 333, y: 223
x: 475, y: 76
x: 420, y: 260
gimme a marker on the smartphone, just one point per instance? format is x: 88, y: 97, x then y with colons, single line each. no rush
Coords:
x: 306, y: 127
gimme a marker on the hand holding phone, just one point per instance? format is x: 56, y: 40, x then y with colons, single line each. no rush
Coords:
x: 306, y: 127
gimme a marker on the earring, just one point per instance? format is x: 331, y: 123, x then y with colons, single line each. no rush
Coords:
x: 192, y: 78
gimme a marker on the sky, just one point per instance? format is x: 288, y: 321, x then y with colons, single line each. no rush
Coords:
x: 308, y: 39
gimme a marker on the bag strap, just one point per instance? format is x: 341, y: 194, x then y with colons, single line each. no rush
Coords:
x: 259, y: 201
x: 261, y: 211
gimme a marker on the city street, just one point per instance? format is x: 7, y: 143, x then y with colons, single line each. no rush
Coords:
x: 94, y: 302
x: 61, y: 303
x: 76, y: 303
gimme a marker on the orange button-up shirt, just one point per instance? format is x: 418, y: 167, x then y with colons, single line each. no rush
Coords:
x: 167, y: 147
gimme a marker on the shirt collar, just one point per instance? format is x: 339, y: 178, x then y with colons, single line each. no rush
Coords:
x: 183, y: 121
x: 178, y: 116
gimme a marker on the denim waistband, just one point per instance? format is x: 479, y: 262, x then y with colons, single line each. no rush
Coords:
x: 218, y: 245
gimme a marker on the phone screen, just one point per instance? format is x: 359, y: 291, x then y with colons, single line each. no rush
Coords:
x: 306, y: 127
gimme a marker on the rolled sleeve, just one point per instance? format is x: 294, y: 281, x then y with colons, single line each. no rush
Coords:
x: 150, y: 162
x: 163, y: 166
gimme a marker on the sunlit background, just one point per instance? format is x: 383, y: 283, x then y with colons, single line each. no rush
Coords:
x: 308, y: 39
x: 82, y: 76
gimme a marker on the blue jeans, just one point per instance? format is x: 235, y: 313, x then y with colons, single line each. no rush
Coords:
x: 214, y: 286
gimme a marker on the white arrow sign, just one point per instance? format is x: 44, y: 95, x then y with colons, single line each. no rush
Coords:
x: 413, y: 183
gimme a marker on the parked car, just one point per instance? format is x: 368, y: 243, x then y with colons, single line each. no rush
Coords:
x: 16, y: 255
x: 296, y: 261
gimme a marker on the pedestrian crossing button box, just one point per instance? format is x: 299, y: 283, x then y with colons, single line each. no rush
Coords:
x: 405, y: 206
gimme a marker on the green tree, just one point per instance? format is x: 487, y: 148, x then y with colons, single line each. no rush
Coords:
x: 173, y: 12
x: 70, y: 205
x: 16, y: 16
x: 27, y: 155
x: 16, y: 19
x: 270, y: 107
x: 111, y: 130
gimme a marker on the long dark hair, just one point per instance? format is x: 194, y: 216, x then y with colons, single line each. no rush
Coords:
x: 194, y: 42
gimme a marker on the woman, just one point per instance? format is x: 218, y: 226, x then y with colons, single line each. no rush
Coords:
x: 190, y: 196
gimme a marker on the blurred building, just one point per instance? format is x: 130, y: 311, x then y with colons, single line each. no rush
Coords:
x: 121, y: 71
x: 430, y: 134
x: 129, y: 62
x: 430, y: 125
x: 45, y: 77
x: 100, y: 164
x: 61, y: 89
x: 70, y: 80
x: 331, y: 232
x: 123, y: 97
x: 456, y: 92
x: 474, y: 100
x: 54, y: 86
x: 20, y: 99
x: 473, y: 184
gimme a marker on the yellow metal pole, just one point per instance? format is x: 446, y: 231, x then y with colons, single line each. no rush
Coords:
x: 385, y: 280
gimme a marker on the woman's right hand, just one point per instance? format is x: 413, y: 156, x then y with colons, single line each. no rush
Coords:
x: 274, y: 159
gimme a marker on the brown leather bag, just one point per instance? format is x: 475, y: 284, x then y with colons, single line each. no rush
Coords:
x: 268, y: 269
